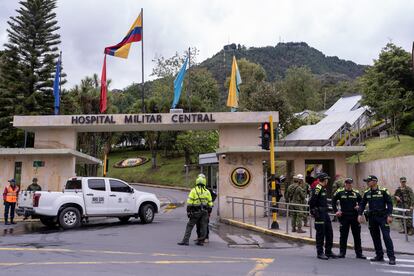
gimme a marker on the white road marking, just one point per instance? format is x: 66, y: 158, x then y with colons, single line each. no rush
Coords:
x: 396, y: 271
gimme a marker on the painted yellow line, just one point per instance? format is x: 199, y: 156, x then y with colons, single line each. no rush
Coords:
x: 128, y: 253
x: 163, y: 262
x: 111, y: 252
x: 260, y: 267
x: 171, y: 206
x: 167, y: 210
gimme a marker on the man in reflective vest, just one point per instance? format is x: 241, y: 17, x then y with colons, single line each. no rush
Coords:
x: 10, y: 198
x: 199, y: 205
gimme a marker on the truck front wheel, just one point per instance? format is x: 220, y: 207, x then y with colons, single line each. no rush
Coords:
x: 146, y: 213
x: 69, y: 218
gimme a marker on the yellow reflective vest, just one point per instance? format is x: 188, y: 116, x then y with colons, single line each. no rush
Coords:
x: 199, y: 196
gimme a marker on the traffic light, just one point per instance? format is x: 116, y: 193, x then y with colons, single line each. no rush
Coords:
x: 265, y: 135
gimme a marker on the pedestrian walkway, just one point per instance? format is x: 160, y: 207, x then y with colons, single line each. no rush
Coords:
x: 400, y: 244
x: 404, y: 266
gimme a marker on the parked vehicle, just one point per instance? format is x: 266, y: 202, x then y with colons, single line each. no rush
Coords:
x: 85, y: 197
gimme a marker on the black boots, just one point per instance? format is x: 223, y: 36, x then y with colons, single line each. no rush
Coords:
x: 322, y: 257
x: 377, y: 259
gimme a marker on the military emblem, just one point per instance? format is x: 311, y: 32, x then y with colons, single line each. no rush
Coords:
x: 240, y: 177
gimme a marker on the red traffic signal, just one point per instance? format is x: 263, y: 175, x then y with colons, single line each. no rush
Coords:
x: 265, y: 136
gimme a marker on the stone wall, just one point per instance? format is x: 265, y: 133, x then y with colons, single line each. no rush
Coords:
x: 388, y: 171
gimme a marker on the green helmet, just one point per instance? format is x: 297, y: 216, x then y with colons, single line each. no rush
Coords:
x: 201, y: 181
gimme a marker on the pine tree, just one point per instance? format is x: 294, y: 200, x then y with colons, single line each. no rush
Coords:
x: 28, y: 64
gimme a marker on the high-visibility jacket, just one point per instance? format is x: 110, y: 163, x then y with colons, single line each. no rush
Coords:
x: 10, y: 194
x: 199, y: 196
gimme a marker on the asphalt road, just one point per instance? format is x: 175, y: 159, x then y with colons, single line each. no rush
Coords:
x: 106, y: 247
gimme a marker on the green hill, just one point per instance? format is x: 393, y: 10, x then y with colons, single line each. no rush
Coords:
x: 169, y: 171
x: 276, y: 60
x: 385, y: 148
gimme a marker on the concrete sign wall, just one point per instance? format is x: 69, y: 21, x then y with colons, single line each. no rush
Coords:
x: 142, y: 122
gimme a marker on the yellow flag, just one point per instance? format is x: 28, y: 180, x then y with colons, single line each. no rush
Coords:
x: 234, y: 89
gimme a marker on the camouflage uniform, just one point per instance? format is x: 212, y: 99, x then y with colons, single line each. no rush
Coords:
x: 306, y: 187
x: 406, y: 196
x: 339, y: 183
x: 296, y: 194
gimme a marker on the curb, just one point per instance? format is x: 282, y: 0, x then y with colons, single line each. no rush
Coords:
x: 163, y: 187
x: 290, y: 237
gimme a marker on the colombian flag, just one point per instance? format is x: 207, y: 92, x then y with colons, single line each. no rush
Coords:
x: 119, y: 50
x: 122, y: 48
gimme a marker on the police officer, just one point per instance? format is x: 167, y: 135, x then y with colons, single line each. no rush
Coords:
x: 198, y: 225
x: 349, y: 200
x: 379, y: 218
x: 199, y: 205
x: 319, y: 210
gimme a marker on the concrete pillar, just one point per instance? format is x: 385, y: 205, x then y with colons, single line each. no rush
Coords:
x: 299, y: 165
x: 340, y: 166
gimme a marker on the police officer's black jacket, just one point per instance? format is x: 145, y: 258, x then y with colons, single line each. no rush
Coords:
x: 348, y: 201
x: 318, y: 199
x: 379, y: 201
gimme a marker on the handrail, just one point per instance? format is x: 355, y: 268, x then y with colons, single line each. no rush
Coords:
x: 285, y: 206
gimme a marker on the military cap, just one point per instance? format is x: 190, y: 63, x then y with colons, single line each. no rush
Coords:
x: 370, y: 178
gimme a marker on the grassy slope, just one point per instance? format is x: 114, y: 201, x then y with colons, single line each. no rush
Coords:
x: 169, y: 172
x: 385, y: 148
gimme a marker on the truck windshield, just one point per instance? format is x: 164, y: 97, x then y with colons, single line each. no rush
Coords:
x: 73, y: 185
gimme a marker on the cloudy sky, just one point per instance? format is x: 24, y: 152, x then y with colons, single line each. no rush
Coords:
x: 352, y: 30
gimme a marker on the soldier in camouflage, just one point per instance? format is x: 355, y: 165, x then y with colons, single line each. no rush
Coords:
x: 405, y: 199
x: 339, y: 183
x: 296, y: 194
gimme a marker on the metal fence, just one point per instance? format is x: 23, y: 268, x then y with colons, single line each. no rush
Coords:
x: 265, y: 208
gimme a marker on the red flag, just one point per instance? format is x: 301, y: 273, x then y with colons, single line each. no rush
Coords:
x: 102, y: 102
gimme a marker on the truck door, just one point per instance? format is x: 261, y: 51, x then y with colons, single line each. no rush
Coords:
x: 96, y: 196
x: 121, y: 198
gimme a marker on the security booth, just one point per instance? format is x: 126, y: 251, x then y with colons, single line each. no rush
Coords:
x: 209, y: 167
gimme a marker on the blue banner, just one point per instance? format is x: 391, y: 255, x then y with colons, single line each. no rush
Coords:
x: 178, y: 83
x: 56, y: 84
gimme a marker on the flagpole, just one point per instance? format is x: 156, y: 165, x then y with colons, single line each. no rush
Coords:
x: 189, y: 80
x: 142, y: 60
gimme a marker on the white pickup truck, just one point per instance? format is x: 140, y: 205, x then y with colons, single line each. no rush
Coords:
x: 85, y: 197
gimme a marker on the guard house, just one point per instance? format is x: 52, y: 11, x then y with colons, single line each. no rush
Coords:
x: 240, y: 159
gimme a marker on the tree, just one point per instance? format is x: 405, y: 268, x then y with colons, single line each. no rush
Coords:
x: 30, y: 57
x: 269, y: 98
x: 193, y: 143
x: 302, y: 89
x: 388, y: 85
